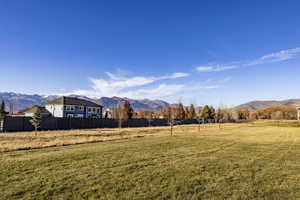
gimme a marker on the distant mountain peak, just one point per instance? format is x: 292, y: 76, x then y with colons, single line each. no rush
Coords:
x: 255, y: 105
x: 22, y: 101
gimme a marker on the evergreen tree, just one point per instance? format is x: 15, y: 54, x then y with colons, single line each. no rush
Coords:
x: 205, y: 113
x: 212, y: 113
x: 2, y: 109
x: 208, y: 113
x: 37, y: 119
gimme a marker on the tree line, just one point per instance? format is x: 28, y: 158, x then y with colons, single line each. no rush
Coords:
x: 274, y: 113
x: 208, y: 113
x: 176, y: 111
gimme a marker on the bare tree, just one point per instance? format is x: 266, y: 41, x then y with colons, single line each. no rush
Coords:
x: 199, y: 119
x: 146, y: 114
x: 169, y: 114
x: 181, y: 114
x: 11, y: 108
x: 278, y: 115
x: 119, y: 115
x: 37, y: 119
x: 149, y: 117
x: 171, y: 122
x: 191, y: 112
x: 127, y: 110
x: 219, y: 116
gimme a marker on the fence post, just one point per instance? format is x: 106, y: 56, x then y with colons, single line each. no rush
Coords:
x: 23, y: 119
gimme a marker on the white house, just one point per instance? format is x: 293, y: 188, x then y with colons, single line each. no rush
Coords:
x: 74, y: 107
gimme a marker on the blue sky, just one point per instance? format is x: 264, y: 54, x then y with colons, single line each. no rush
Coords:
x: 203, y: 52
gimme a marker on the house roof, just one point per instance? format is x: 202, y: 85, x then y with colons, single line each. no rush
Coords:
x: 73, y: 101
x: 32, y: 109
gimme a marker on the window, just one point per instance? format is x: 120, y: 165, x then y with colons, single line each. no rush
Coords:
x: 81, y: 108
x: 94, y: 110
x: 80, y: 115
x: 89, y: 110
x: 70, y: 115
x: 71, y: 108
x: 98, y: 110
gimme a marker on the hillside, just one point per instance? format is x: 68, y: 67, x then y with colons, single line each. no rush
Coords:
x: 255, y: 105
x: 21, y: 101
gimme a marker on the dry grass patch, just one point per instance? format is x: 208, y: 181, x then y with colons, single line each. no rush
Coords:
x: 239, y: 161
x: 28, y: 140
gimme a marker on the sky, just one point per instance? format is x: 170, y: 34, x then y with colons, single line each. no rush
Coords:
x: 216, y: 52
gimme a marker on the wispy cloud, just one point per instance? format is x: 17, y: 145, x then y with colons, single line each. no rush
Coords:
x: 170, y: 91
x: 176, y: 75
x: 161, y: 91
x: 116, y: 85
x: 208, y: 84
x: 214, y: 68
x: 140, y: 87
x: 225, y: 80
x: 276, y: 57
x: 268, y: 58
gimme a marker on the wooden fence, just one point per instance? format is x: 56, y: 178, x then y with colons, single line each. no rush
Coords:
x: 13, y: 124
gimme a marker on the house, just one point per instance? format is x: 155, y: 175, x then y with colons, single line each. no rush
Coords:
x: 29, y: 112
x: 298, y: 110
x: 74, y: 107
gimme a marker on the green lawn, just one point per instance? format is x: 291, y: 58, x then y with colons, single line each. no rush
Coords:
x: 243, y: 161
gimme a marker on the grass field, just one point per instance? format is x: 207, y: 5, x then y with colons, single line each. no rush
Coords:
x: 239, y: 161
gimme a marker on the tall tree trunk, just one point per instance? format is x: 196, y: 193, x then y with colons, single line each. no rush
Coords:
x: 171, y: 126
x: 120, y: 126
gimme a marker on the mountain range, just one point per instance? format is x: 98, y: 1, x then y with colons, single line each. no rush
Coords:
x: 21, y: 101
x: 255, y: 105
